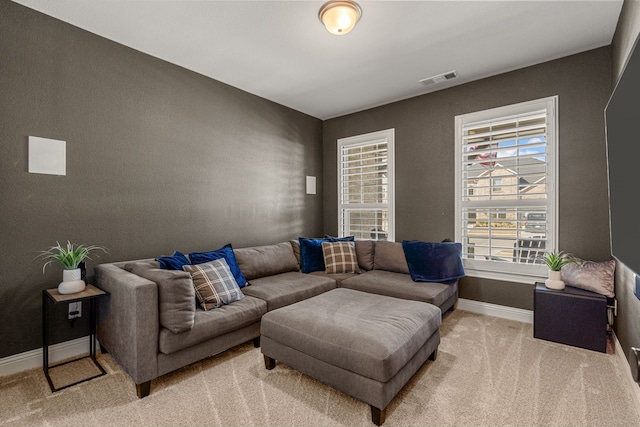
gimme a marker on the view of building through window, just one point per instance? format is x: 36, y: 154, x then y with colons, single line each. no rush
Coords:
x: 364, y: 186
x: 504, y: 198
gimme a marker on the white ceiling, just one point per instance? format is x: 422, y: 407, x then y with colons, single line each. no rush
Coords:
x: 279, y: 50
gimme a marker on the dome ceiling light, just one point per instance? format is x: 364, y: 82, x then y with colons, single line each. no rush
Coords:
x: 339, y: 17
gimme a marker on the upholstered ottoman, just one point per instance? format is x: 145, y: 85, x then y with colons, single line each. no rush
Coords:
x: 365, y: 345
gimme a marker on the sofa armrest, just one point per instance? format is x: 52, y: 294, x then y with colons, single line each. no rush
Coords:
x: 128, y: 322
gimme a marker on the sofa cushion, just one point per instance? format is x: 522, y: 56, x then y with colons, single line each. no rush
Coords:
x: 338, y: 277
x: 340, y: 257
x: 261, y: 261
x: 400, y: 286
x: 311, y: 257
x: 214, y: 323
x: 364, y: 252
x: 225, y: 252
x: 176, y: 295
x: 288, y: 288
x: 389, y: 256
x: 173, y: 262
x: 434, y: 261
x: 295, y: 245
x: 214, y: 283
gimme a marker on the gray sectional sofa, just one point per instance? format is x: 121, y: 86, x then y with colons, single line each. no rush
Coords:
x: 150, y: 323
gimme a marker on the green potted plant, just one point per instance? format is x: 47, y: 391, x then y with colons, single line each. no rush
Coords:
x: 69, y: 257
x: 555, y: 260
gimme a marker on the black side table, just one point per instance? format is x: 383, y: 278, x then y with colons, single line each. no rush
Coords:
x: 570, y: 316
x: 52, y: 296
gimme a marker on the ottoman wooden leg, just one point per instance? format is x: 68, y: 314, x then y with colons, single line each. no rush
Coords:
x: 256, y: 342
x: 378, y: 416
x: 269, y: 363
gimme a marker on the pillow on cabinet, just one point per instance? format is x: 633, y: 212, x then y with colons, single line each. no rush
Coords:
x: 591, y: 276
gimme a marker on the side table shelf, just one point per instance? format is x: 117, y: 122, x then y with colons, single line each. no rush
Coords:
x: 52, y: 297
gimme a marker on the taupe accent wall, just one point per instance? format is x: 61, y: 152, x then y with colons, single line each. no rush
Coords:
x: 627, y: 326
x: 424, y: 143
x: 158, y: 159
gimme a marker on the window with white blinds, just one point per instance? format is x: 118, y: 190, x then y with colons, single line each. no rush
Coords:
x: 365, y: 186
x: 505, y: 189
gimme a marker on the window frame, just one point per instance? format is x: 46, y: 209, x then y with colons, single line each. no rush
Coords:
x: 368, y: 139
x: 507, y: 271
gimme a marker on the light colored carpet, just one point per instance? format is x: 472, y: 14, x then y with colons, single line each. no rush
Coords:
x: 489, y: 372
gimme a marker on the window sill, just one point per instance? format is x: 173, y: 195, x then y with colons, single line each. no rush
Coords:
x: 505, y: 277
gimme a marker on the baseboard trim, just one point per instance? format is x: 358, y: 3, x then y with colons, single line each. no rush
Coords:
x: 496, y: 310
x: 33, y: 359
x: 626, y: 369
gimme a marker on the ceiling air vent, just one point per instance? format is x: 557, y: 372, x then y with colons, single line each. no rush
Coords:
x: 439, y: 78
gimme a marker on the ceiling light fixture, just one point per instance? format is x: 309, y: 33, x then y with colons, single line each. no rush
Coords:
x: 339, y: 17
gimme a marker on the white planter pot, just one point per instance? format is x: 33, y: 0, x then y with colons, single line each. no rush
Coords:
x: 554, y: 281
x: 71, y: 282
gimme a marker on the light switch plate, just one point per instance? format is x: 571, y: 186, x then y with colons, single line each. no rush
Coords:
x: 311, y: 185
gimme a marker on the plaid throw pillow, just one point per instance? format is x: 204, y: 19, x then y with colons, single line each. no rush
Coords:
x: 340, y: 257
x: 214, y: 284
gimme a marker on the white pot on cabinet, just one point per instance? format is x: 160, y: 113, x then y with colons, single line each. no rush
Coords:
x: 554, y: 281
x: 71, y: 282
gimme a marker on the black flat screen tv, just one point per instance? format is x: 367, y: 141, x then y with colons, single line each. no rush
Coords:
x: 622, y: 118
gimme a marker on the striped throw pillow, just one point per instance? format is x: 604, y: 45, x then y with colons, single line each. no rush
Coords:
x: 214, y: 284
x: 340, y: 257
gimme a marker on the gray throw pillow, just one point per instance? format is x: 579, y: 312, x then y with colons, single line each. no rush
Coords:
x: 591, y: 276
x: 176, y: 296
x: 364, y: 251
x: 389, y: 256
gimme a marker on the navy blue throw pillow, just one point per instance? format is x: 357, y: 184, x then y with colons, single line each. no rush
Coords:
x: 225, y: 252
x: 311, y: 256
x: 340, y: 239
x: 434, y: 262
x: 173, y: 262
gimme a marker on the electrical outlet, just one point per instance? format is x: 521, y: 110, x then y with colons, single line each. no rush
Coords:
x: 637, y: 291
x: 75, y: 309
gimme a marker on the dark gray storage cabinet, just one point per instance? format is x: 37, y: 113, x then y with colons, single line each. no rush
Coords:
x: 570, y: 316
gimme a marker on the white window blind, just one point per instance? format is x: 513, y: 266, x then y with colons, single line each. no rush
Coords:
x: 505, y: 201
x: 365, y: 186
